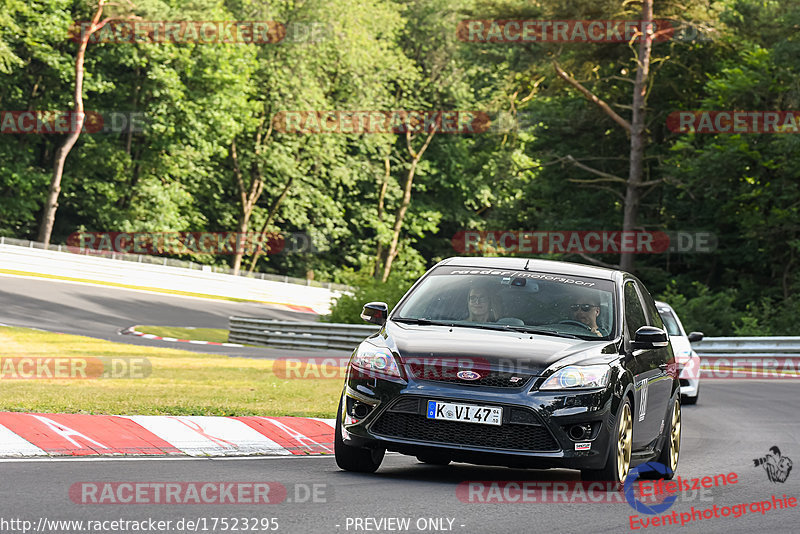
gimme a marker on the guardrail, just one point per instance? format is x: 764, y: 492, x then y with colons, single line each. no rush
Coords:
x: 169, y: 277
x: 750, y: 347
x: 169, y: 262
x: 287, y: 334
x: 291, y: 335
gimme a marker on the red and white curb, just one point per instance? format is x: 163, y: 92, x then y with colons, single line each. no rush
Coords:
x: 32, y: 434
x: 133, y: 332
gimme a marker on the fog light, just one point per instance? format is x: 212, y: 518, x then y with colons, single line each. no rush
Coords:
x: 357, y: 409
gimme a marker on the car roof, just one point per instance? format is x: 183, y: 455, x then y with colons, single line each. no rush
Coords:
x: 529, y: 264
x: 664, y: 305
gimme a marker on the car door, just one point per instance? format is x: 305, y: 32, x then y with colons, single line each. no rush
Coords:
x: 661, y: 387
x: 644, y: 365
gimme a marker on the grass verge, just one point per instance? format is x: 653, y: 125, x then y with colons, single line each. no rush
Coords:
x: 180, y: 383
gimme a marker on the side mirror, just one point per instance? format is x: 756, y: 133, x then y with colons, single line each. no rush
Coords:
x: 649, y: 337
x: 375, y: 312
x: 695, y: 336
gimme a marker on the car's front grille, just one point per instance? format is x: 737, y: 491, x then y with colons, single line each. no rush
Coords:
x: 684, y: 382
x: 491, y: 378
x: 520, y: 430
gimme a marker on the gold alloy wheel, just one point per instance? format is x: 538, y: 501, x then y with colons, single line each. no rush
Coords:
x: 675, y: 437
x: 624, y: 443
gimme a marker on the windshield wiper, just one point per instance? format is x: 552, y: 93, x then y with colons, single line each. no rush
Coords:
x: 529, y: 330
x: 424, y: 322
x: 483, y: 326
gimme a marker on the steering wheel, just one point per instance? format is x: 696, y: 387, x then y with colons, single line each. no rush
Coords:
x: 575, y: 323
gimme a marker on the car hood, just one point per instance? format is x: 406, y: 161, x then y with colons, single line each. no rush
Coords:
x: 522, y: 352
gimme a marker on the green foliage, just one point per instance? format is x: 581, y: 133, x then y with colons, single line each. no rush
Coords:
x: 177, y: 175
x: 347, y: 308
x: 712, y: 313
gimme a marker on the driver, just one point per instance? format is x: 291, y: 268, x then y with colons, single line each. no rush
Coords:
x: 586, y: 312
x: 481, y: 305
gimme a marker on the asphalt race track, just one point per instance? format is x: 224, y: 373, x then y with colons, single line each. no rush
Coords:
x: 735, y: 422
x: 102, y: 311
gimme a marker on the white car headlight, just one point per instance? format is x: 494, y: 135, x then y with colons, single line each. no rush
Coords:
x: 578, y: 377
x: 370, y: 360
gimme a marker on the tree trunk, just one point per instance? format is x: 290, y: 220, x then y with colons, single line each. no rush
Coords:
x: 391, y: 253
x: 636, y: 129
x: 377, y: 271
x: 273, y: 210
x: 248, y: 201
x: 51, y: 205
x: 638, y: 141
x: 244, y: 223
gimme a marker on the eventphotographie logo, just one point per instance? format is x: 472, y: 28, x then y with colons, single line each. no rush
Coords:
x: 777, y: 466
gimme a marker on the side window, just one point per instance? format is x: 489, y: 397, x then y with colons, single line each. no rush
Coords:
x: 634, y: 314
x: 654, y: 318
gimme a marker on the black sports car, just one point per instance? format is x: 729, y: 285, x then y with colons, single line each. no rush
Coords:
x: 516, y: 362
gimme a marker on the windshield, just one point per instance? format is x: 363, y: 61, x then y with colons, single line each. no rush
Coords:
x: 670, y: 322
x: 527, y: 301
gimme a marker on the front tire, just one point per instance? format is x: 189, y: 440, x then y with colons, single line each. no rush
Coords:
x: 670, y: 453
x: 352, y: 458
x: 618, y: 462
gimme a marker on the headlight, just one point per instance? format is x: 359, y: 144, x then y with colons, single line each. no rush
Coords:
x: 578, y: 377
x: 372, y: 360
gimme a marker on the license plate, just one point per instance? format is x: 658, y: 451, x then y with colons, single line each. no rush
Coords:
x: 465, y: 413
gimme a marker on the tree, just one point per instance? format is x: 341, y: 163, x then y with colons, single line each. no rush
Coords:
x: 335, y: 56
x: 51, y: 204
x: 635, y: 129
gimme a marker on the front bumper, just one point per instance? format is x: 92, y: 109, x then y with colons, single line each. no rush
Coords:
x: 535, y: 430
x: 690, y: 376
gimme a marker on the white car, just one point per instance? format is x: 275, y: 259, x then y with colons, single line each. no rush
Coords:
x: 687, y: 359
